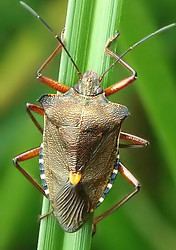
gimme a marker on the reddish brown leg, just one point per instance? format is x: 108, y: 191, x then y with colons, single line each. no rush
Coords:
x: 51, y: 83
x: 57, y: 50
x: 131, y: 179
x: 37, y: 109
x: 125, y: 82
x: 134, y: 141
x: 26, y: 156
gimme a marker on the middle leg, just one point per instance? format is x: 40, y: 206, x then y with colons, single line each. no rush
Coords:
x: 26, y: 156
x: 134, y: 141
x: 37, y: 109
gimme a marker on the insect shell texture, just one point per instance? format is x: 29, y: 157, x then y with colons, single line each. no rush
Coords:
x: 80, y: 142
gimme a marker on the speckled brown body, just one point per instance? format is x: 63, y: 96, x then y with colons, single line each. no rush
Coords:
x: 81, y: 134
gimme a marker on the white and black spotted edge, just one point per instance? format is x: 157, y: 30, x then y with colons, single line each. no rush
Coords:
x: 42, y: 171
x: 110, y: 183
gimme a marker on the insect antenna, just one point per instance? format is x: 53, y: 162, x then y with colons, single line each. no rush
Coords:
x: 35, y: 14
x: 137, y: 44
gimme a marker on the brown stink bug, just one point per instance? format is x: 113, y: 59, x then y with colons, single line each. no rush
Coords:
x: 79, y: 156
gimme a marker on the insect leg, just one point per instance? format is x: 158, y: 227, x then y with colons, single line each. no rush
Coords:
x: 134, y: 141
x: 125, y: 82
x: 131, y: 179
x: 49, y: 59
x: 37, y: 109
x: 43, y: 216
x: 48, y: 81
x: 26, y: 156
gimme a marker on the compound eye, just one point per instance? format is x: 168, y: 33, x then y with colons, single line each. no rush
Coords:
x: 99, y: 90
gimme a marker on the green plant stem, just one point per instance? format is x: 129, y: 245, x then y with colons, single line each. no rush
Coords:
x: 89, y: 24
x: 50, y: 237
x: 80, y: 239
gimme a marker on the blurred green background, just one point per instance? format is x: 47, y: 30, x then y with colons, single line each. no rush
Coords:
x: 148, y: 221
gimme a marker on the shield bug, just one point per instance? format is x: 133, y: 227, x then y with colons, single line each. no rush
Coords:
x: 79, y: 156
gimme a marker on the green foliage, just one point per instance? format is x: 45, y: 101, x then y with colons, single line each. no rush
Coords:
x: 147, y: 221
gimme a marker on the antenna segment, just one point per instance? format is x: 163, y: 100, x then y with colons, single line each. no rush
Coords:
x: 35, y: 14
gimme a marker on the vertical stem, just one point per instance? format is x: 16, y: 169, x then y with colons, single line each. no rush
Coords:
x: 80, y: 240
x: 50, y: 235
x: 89, y: 24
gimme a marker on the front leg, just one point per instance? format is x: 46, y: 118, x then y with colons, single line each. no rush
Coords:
x: 125, y: 82
x: 48, y: 81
